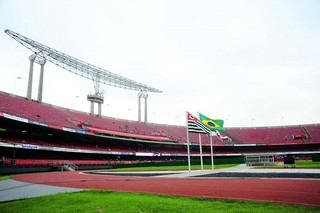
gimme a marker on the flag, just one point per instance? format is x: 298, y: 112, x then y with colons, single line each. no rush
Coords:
x: 195, y: 125
x: 222, y: 138
x: 212, y: 124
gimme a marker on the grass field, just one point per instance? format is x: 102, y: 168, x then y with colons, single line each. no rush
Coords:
x: 5, y: 177
x: 109, y: 201
x: 176, y: 167
x: 179, y: 165
x: 303, y: 164
x: 307, y: 164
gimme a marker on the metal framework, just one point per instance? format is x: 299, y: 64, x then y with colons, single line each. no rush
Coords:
x: 98, y: 75
x: 84, y: 69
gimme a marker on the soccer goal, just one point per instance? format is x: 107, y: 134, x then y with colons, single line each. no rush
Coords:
x: 260, y: 160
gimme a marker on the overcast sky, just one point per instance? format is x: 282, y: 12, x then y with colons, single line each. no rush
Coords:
x: 250, y: 63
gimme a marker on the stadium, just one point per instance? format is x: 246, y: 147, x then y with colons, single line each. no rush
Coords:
x: 41, y: 137
x: 44, y: 135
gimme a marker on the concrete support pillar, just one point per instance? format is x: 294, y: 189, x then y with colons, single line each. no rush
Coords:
x: 139, y: 106
x: 29, y: 89
x: 96, y: 98
x: 145, y: 107
x: 40, y: 88
x: 92, y: 108
x: 99, y: 109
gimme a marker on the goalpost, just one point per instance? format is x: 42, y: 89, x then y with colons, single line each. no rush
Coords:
x: 259, y: 160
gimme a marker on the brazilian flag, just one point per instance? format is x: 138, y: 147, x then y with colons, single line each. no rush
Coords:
x: 212, y: 124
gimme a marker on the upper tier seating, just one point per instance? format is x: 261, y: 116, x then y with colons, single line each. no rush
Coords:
x: 179, y: 134
x: 265, y: 135
x: 61, y: 117
x: 108, y: 123
x: 176, y: 133
x: 314, y: 131
x: 33, y: 111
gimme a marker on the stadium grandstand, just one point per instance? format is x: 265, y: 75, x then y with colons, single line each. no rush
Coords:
x: 42, y: 137
x: 37, y: 136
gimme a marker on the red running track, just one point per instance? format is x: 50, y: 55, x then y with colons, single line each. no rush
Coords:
x: 297, y: 191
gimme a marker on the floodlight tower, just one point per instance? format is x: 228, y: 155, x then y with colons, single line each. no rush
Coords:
x: 43, y: 53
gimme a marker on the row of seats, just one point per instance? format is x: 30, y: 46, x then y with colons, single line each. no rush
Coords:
x: 61, y: 117
x: 92, y: 146
x: 33, y: 111
x: 266, y: 135
x: 113, y: 124
x: 314, y: 131
x: 57, y: 116
x: 53, y: 162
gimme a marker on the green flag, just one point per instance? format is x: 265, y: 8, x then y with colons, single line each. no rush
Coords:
x: 210, y: 123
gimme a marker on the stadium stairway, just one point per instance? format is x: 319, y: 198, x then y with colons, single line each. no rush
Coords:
x: 68, y: 167
x: 306, y: 132
x: 230, y: 136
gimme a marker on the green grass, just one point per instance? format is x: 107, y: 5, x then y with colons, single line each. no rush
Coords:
x: 5, y: 177
x: 109, y: 201
x: 301, y: 164
x: 173, y: 168
x: 307, y: 164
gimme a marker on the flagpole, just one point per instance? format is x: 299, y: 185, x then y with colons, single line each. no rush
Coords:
x: 211, y: 149
x: 200, y: 147
x: 188, y: 145
x: 201, y: 158
x: 213, y: 125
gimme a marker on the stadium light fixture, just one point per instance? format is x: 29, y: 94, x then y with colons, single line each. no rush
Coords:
x: 79, y: 67
x: 14, y: 84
